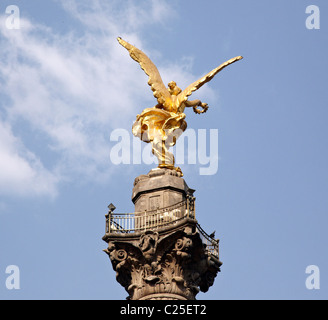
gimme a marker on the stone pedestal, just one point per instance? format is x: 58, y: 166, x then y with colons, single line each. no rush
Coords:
x: 160, y: 188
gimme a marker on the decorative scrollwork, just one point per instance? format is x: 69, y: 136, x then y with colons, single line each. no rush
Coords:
x: 179, y: 245
x: 121, y: 255
x: 183, y: 247
x: 148, y: 244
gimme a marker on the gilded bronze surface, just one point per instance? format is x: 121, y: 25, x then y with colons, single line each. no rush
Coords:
x: 162, y: 124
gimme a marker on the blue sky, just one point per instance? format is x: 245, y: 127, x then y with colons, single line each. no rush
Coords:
x: 66, y: 84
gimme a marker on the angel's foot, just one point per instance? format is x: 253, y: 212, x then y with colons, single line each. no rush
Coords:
x: 177, y: 169
x: 171, y: 167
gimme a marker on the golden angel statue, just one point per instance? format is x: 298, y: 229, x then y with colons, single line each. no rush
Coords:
x: 163, y: 124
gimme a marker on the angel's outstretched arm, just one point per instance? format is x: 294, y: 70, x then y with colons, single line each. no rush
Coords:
x: 193, y: 103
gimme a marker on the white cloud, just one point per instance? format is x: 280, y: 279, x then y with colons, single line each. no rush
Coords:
x: 74, y: 89
x: 117, y: 16
x: 21, y: 172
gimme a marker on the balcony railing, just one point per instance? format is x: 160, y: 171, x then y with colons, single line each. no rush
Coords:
x: 149, y: 220
x: 129, y: 223
x: 211, y: 245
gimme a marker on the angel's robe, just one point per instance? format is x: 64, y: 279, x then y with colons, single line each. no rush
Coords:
x: 161, y: 128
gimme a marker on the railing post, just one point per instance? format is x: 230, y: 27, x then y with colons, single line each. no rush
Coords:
x: 108, y: 216
x: 193, y: 207
x: 188, y: 206
x: 107, y: 223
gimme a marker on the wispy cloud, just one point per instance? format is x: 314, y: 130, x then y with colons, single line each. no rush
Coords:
x: 73, y: 89
x: 21, y: 172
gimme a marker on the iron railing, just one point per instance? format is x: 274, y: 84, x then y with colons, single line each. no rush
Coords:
x: 148, y: 220
x: 129, y: 223
x: 211, y: 244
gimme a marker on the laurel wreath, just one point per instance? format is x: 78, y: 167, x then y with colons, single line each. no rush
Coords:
x: 205, y: 108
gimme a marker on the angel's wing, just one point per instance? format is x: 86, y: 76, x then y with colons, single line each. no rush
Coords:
x: 183, y: 96
x: 161, y: 93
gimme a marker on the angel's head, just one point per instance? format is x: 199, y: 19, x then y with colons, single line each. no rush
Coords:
x: 173, y: 88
